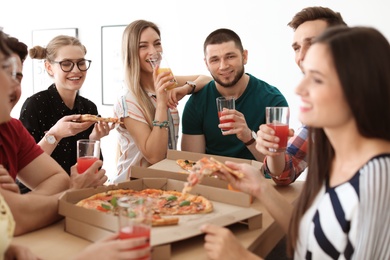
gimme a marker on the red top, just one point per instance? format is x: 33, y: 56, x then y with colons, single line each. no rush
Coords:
x: 17, y: 147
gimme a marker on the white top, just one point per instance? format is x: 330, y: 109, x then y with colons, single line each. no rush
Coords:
x: 7, y: 227
x: 127, y: 106
x: 351, y: 220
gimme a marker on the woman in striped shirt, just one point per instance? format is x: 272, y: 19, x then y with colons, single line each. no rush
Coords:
x: 343, y: 209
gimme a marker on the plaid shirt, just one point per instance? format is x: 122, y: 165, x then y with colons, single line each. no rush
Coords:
x: 295, y: 158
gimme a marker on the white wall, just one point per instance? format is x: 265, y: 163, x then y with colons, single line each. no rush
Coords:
x: 261, y: 24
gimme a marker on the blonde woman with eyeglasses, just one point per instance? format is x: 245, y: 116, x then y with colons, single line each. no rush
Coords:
x: 50, y: 115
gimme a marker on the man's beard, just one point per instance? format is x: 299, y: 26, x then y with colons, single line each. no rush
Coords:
x: 233, y: 82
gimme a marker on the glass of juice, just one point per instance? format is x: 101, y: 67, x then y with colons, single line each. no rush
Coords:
x: 88, y: 152
x: 225, y: 103
x: 160, y: 60
x: 135, y: 220
x: 278, y: 119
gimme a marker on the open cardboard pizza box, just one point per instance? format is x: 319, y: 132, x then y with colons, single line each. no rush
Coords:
x: 229, y: 207
x: 168, y: 167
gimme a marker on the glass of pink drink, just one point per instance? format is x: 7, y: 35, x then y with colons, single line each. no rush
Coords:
x: 135, y: 220
x: 88, y: 152
x: 225, y: 103
x: 278, y: 119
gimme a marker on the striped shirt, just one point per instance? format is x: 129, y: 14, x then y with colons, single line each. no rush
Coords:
x: 128, y: 106
x: 351, y: 220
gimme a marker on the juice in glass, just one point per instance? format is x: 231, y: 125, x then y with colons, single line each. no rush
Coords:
x: 137, y: 230
x: 173, y: 81
x: 83, y: 163
x: 224, y: 121
x: 281, y: 131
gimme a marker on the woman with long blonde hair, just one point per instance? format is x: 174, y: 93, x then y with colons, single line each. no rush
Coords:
x: 150, y: 125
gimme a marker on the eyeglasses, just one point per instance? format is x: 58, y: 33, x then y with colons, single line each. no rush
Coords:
x: 10, y: 65
x: 68, y: 65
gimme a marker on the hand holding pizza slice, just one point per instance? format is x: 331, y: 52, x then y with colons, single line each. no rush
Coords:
x: 206, y: 167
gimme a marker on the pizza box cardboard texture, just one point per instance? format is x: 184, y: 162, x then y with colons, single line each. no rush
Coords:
x: 229, y: 207
x: 168, y: 168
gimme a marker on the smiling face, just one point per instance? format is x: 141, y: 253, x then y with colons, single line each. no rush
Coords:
x: 322, y: 99
x: 303, y: 37
x: 225, y: 62
x: 150, y: 43
x: 72, y: 80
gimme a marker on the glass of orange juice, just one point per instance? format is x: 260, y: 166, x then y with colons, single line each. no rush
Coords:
x: 160, y: 60
x: 278, y: 119
x: 88, y: 152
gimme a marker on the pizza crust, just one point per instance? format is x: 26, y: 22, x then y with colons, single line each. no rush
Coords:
x: 95, y: 118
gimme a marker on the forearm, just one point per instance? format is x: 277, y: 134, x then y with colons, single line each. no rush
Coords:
x: 31, y: 211
x: 276, y: 205
x: 193, y: 143
x: 44, y: 176
x: 157, y: 141
x: 275, y: 164
x: 55, y: 184
x: 48, y: 148
x: 258, y: 155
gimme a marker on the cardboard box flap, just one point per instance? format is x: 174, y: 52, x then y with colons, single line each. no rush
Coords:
x: 156, y: 183
x: 142, y: 172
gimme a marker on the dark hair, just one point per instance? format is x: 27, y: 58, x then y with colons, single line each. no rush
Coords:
x: 3, y: 44
x: 361, y: 57
x: 17, y: 47
x: 221, y: 36
x: 316, y: 13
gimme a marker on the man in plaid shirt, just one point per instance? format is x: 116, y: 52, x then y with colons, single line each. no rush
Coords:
x: 285, y: 168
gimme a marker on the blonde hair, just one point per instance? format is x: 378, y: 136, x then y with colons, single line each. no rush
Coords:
x: 132, y: 68
x: 51, y: 51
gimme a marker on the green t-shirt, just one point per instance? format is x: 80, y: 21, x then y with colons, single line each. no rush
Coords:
x: 200, y: 116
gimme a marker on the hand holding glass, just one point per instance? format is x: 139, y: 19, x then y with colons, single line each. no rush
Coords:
x: 160, y: 60
x: 88, y: 152
x: 278, y: 119
x: 227, y: 103
x: 135, y: 219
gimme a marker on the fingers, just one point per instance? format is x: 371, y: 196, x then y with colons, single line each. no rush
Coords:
x: 71, y: 117
x: 209, y: 229
x: 266, y: 139
x: 13, y: 187
x: 291, y: 132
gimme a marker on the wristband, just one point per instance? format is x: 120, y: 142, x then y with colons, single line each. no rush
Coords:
x: 164, y: 124
x: 192, y: 85
x: 254, y: 136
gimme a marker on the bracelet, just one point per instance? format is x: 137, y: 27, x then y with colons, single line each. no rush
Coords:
x: 164, y: 124
x: 192, y: 85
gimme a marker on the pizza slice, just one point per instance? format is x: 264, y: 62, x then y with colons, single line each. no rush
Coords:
x: 185, y: 164
x: 95, y: 118
x: 206, y: 167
